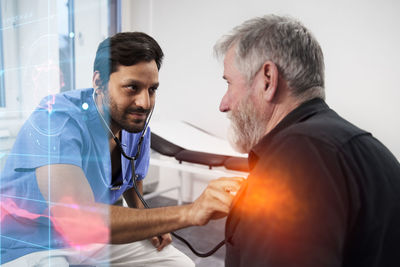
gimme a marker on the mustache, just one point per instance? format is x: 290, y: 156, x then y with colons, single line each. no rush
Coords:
x: 138, y: 110
x: 230, y: 116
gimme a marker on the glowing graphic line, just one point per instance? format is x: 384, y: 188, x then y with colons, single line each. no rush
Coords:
x: 25, y: 67
x: 45, y: 156
x: 48, y: 118
x: 25, y: 198
x: 49, y: 103
x: 22, y: 241
x: 46, y: 68
x: 86, y: 208
x: 28, y: 22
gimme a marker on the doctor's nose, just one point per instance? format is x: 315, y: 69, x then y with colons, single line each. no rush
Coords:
x: 143, y: 100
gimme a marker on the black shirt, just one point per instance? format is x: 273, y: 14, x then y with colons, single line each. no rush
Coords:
x: 321, y: 192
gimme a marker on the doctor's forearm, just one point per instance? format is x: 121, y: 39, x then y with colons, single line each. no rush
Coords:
x: 129, y: 225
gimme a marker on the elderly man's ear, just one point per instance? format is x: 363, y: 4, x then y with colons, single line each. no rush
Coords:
x: 270, y: 76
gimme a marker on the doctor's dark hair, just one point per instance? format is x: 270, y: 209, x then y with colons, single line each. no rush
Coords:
x: 127, y: 49
x: 285, y: 42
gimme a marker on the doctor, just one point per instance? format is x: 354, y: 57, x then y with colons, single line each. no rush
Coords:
x: 65, y: 171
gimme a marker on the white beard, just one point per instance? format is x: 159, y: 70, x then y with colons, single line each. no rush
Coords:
x: 247, y: 126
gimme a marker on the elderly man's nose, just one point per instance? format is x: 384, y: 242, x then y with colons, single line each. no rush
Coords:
x: 224, y: 105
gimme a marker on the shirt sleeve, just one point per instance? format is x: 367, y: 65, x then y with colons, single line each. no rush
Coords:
x: 47, y: 139
x: 294, y: 210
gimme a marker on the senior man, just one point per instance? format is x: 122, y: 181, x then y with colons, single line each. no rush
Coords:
x: 66, y: 170
x: 321, y: 191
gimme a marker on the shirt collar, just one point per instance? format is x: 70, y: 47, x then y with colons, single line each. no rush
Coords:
x: 301, y: 113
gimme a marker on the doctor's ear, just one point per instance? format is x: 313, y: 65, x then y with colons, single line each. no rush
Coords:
x: 97, y: 83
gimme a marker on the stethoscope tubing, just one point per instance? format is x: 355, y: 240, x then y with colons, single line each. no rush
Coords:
x: 134, y: 178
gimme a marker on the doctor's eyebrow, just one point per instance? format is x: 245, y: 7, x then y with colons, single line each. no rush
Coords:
x: 139, y: 83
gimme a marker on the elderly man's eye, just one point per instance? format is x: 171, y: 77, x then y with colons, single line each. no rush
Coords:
x: 153, y: 89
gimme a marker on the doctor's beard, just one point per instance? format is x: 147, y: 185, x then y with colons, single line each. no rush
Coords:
x: 119, y: 116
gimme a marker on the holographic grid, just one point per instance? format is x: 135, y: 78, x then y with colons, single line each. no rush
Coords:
x: 39, y: 66
x: 30, y: 71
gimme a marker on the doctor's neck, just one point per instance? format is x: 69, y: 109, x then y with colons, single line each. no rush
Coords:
x: 115, y: 129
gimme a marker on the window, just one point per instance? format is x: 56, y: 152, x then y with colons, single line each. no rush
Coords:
x: 47, y: 47
x: 66, y: 38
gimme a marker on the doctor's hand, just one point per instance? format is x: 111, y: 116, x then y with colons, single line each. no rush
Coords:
x: 160, y: 242
x: 215, y: 201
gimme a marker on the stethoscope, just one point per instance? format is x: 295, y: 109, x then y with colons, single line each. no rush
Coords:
x: 118, y: 185
x: 134, y: 177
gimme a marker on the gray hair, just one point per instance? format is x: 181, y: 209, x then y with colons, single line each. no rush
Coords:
x: 284, y: 41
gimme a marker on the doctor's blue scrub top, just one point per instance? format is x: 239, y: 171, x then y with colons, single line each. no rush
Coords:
x: 64, y: 129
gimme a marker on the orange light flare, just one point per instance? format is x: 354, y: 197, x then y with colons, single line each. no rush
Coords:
x: 275, y: 199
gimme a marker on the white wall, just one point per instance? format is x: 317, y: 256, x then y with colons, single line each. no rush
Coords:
x: 360, y: 40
